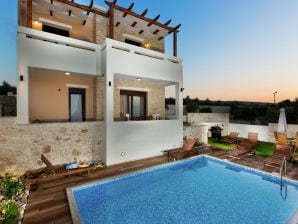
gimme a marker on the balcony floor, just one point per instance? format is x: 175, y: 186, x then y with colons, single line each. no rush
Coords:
x: 49, y: 203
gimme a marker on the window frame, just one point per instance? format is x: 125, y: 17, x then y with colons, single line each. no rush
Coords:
x: 131, y: 94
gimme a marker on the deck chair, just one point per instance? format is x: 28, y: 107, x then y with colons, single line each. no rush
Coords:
x: 186, y: 149
x: 281, y: 149
x: 280, y: 152
x: 246, y: 146
x: 60, y: 171
x: 231, y: 138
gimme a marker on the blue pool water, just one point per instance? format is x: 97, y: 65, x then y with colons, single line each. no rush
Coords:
x: 200, y: 190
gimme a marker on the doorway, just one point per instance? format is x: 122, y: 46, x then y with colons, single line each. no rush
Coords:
x: 77, y: 105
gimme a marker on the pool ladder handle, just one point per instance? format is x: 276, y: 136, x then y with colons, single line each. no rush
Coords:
x: 283, y: 170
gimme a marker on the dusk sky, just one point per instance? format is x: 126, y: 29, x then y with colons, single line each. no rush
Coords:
x: 232, y: 49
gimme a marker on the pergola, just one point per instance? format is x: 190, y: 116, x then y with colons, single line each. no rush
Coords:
x: 118, y: 16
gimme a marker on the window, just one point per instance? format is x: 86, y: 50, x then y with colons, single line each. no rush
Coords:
x: 133, y: 103
x: 54, y: 30
x: 133, y: 42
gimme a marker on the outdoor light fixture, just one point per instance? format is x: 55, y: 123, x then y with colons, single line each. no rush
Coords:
x: 21, y: 78
x: 147, y: 45
x: 139, y: 79
x: 182, y: 89
x: 67, y: 73
x: 110, y: 83
x: 36, y: 22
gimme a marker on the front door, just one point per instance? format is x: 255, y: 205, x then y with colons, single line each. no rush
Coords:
x: 76, y: 104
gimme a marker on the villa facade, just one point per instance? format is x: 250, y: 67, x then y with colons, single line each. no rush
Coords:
x: 107, y: 68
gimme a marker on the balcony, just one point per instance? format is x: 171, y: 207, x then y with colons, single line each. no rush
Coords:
x: 50, y: 51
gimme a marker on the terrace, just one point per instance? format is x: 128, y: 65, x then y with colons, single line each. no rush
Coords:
x: 49, y: 203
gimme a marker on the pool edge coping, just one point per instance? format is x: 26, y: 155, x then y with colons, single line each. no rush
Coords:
x: 74, y: 209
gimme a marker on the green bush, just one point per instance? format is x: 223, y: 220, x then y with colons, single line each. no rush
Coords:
x: 10, y: 187
x: 9, y: 213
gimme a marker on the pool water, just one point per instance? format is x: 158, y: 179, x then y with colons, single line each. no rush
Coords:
x: 200, y: 190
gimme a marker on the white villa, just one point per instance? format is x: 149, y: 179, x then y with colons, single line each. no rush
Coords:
x: 91, y: 83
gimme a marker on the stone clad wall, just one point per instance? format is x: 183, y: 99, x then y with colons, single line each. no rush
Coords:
x: 21, y: 145
x: 155, y: 96
x: 102, y: 29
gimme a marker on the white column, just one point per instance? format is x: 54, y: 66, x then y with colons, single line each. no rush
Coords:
x: 109, y: 103
x: 22, y: 86
x: 179, y: 101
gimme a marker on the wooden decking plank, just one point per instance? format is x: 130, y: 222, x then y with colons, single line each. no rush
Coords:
x: 48, y: 204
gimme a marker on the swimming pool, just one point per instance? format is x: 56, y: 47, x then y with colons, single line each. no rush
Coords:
x: 198, y: 190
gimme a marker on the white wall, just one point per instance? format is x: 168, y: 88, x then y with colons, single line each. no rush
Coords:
x: 49, y: 51
x: 243, y: 130
x: 66, y: 54
x: 140, y: 139
x: 210, y: 119
x: 266, y: 133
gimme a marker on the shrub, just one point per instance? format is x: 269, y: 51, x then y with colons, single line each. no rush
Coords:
x: 10, y: 187
x: 9, y: 213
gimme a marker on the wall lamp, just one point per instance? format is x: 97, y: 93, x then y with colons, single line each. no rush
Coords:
x: 21, y: 78
x: 110, y: 83
x: 182, y: 89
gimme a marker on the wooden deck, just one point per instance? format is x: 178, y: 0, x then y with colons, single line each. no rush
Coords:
x: 49, y: 203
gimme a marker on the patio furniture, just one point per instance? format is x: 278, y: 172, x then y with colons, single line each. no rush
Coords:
x: 231, y: 138
x: 60, y: 171
x: 279, y: 154
x: 246, y: 146
x: 186, y: 149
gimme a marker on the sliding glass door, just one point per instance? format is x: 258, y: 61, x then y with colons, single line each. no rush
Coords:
x: 76, y: 105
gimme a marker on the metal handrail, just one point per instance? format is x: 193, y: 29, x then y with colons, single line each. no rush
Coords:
x: 283, y: 167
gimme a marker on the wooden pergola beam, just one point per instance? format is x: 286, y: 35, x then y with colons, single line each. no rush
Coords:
x: 129, y: 8
x: 29, y: 13
x: 145, y: 12
x: 175, y: 43
x: 83, y: 7
x: 129, y: 12
x: 153, y: 20
x: 90, y: 6
x: 111, y: 22
x: 168, y: 22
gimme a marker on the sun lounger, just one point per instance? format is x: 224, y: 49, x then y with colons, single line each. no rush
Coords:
x: 231, y: 138
x: 186, y: 149
x: 60, y: 171
x: 246, y: 146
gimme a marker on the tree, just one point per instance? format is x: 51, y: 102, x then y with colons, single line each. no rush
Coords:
x: 191, y: 107
x: 186, y: 100
x: 6, y: 87
x: 170, y: 101
x: 206, y: 110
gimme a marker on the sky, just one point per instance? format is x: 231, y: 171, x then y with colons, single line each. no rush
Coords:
x: 231, y: 49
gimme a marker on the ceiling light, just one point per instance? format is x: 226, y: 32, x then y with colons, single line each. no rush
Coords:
x: 147, y: 45
x: 67, y: 73
x: 139, y: 79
